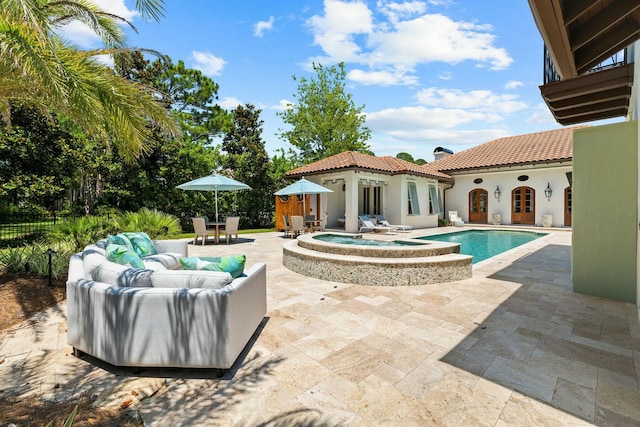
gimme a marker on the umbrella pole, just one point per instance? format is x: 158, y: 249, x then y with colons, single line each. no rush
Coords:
x: 216, y: 205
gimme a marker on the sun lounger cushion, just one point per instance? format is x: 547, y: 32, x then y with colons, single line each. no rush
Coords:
x: 123, y: 255
x: 233, y: 264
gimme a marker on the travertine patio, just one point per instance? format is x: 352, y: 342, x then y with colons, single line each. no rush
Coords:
x: 511, y: 346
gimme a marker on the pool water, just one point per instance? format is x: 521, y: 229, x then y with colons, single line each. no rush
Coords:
x: 349, y: 240
x: 483, y: 244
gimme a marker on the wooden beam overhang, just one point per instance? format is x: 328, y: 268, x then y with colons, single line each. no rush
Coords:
x: 581, y: 37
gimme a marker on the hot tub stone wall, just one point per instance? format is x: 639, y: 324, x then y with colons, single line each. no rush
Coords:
x: 376, y: 271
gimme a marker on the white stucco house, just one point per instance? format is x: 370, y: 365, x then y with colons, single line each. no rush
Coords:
x: 405, y: 193
x: 524, y: 179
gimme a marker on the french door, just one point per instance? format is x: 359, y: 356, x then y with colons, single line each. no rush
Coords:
x: 478, y: 206
x: 523, y: 210
x: 567, y: 206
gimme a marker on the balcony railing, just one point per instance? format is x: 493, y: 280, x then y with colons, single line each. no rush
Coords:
x: 550, y: 74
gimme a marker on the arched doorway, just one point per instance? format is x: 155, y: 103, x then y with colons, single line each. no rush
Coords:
x: 523, y: 209
x: 567, y: 207
x: 478, y: 206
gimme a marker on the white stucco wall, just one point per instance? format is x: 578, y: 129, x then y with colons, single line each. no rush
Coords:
x: 394, y: 198
x: 457, y: 198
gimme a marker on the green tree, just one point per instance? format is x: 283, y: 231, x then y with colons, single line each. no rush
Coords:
x: 191, y: 96
x: 324, y: 119
x: 248, y: 161
x: 39, y: 158
x: 43, y: 70
x: 405, y: 156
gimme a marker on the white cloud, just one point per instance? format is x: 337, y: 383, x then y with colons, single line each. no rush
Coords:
x: 229, y: 103
x: 513, y: 84
x: 484, y: 101
x: 396, y: 11
x: 283, y: 104
x: 381, y: 78
x: 81, y: 35
x: 401, y: 36
x: 541, y: 114
x: 445, y: 75
x: 413, y: 122
x: 208, y: 63
x: 262, y: 26
x: 334, y: 32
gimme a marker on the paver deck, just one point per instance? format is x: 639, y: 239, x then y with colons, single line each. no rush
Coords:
x: 514, y: 345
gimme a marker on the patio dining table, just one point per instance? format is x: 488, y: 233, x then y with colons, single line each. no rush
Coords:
x: 218, y: 225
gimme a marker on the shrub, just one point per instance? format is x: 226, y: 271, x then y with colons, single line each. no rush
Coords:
x: 153, y: 222
x: 13, y: 259
x: 38, y: 259
x: 80, y: 232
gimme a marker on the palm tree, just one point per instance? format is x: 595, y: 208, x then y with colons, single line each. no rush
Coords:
x: 40, y: 68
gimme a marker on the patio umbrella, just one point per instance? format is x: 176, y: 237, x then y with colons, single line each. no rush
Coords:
x: 214, y: 182
x: 304, y: 187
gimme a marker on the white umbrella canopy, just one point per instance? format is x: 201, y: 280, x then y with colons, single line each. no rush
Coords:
x: 303, y: 186
x: 215, y: 183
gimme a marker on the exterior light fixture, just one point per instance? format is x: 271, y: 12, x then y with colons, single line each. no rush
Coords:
x: 497, y: 193
x: 548, y: 192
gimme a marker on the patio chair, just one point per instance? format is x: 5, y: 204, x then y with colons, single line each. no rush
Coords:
x: 200, y: 229
x: 367, y: 224
x: 287, y: 227
x: 231, y: 228
x: 455, y: 219
x: 403, y: 228
x: 297, y: 225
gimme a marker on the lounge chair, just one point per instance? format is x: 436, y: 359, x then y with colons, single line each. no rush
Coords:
x: 297, y: 225
x: 403, y: 228
x: 367, y: 224
x: 231, y: 228
x: 455, y: 219
x: 201, y: 230
x: 287, y: 227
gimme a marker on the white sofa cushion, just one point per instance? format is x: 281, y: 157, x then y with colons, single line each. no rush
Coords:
x: 122, y: 275
x: 166, y: 261
x: 190, y: 279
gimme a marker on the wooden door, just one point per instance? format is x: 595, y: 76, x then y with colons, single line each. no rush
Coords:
x: 289, y: 205
x: 523, y: 210
x: 478, y: 206
x: 567, y: 206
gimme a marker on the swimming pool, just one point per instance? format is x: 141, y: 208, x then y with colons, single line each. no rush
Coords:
x: 483, y: 244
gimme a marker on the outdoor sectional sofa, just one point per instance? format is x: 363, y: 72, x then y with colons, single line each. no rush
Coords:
x: 161, y: 316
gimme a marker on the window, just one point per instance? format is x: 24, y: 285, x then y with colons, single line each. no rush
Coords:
x: 414, y: 207
x: 435, y: 205
x: 366, y: 197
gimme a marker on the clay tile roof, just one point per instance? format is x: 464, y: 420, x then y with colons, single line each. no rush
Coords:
x: 540, y: 147
x: 353, y: 160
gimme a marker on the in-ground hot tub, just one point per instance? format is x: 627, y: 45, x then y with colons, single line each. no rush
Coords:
x: 353, y: 259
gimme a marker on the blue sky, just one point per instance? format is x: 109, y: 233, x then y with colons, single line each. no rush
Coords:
x: 429, y: 73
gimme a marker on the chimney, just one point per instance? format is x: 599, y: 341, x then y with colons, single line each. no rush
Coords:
x: 441, y: 152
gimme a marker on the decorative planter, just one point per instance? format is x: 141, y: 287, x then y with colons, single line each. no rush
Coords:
x: 547, y: 221
x: 497, y: 219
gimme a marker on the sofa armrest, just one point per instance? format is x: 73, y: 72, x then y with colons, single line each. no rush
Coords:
x: 174, y: 246
x: 76, y: 268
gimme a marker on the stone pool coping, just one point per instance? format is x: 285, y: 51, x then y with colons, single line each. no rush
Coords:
x: 418, y: 248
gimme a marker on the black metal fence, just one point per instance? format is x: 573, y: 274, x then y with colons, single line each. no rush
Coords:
x: 19, y: 228
x: 16, y: 228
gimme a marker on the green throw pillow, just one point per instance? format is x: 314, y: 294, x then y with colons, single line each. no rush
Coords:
x: 233, y: 264
x: 123, y: 255
x: 142, y: 243
x: 120, y: 239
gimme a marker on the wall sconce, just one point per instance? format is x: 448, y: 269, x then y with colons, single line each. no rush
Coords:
x: 497, y: 193
x: 548, y: 192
